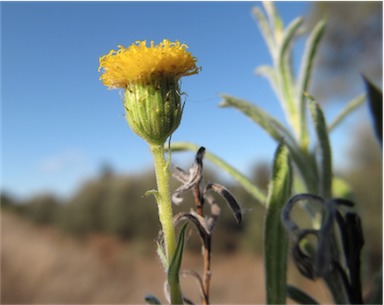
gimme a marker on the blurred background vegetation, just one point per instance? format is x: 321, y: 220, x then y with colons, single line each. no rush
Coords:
x: 115, y: 204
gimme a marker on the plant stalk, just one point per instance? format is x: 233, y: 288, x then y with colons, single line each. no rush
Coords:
x: 164, y: 200
x: 163, y: 197
x: 206, y: 250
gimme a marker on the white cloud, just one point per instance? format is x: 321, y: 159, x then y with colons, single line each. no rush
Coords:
x: 62, y: 161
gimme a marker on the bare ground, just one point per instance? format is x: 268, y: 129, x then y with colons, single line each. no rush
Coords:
x: 40, y: 265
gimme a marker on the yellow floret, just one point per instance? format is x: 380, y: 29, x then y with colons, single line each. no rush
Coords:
x: 139, y: 63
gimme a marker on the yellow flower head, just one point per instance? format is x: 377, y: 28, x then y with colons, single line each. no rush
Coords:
x: 139, y: 63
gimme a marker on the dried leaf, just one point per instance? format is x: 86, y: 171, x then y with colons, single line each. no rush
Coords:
x: 243, y: 180
x: 200, y: 223
x: 222, y: 191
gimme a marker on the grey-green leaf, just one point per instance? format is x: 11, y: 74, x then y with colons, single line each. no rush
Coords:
x: 276, y: 130
x: 289, y: 35
x: 284, y: 66
x: 273, y: 16
x: 272, y: 126
x: 305, y: 75
x: 270, y: 74
x: 275, y: 236
x: 265, y: 28
x: 351, y: 106
x: 325, y: 147
x: 311, y: 48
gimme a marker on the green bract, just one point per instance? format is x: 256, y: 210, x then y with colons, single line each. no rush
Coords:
x: 153, y: 109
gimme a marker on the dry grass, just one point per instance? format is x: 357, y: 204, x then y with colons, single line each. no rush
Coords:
x: 41, y: 265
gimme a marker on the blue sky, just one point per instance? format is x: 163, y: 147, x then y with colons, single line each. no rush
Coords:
x: 60, y: 125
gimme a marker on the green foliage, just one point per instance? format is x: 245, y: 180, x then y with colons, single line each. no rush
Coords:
x: 351, y: 106
x: 83, y: 213
x: 352, y: 45
x: 325, y: 168
x: 42, y: 209
x: 311, y: 157
x: 275, y: 236
x: 116, y: 205
x: 174, y: 269
x: 112, y: 205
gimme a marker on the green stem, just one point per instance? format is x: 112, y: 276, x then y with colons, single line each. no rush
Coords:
x: 164, y: 200
x: 164, y: 204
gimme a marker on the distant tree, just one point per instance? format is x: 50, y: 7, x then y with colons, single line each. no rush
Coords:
x: 6, y: 200
x: 352, y: 45
x: 41, y: 209
x: 365, y: 177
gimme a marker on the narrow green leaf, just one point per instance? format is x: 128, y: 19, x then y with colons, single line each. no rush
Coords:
x: 272, y: 126
x: 174, y: 268
x: 275, y: 236
x: 269, y: 73
x: 284, y: 66
x: 311, y: 48
x: 266, y: 71
x: 325, y: 149
x: 278, y: 132
x: 155, y: 193
x: 351, y: 106
x: 305, y: 75
x: 239, y: 177
x: 273, y: 16
x: 299, y: 296
x: 289, y: 34
x: 265, y: 29
x: 375, y: 97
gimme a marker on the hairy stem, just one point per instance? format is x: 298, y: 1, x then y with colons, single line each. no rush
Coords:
x: 164, y: 200
x: 164, y: 204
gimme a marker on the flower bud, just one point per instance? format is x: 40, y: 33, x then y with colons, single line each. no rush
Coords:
x: 153, y: 109
x: 150, y: 79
